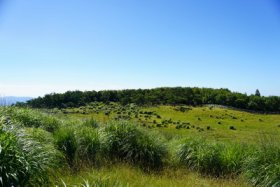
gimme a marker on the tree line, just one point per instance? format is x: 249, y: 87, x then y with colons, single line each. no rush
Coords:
x: 160, y: 96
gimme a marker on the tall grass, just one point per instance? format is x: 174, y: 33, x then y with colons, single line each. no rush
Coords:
x: 262, y: 168
x: 31, y: 118
x: 91, y: 123
x: 80, y: 144
x: 66, y: 141
x: 24, y: 161
x: 127, y: 142
x: 88, y: 144
x: 30, y: 152
x: 96, y: 182
x: 214, y: 159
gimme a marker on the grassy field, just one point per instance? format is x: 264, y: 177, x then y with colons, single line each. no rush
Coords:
x: 114, y: 145
x: 215, y: 123
x: 125, y: 175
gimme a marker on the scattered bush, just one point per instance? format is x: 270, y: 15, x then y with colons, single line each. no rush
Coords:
x: 232, y: 128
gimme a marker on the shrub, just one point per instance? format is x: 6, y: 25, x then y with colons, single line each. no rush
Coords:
x: 127, y: 142
x: 178, y: 126
x: 232, y: 128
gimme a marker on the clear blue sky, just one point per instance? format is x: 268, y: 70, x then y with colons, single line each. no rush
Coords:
x: 59, y: 45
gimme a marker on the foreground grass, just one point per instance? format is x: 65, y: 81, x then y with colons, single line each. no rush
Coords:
x: 125, y: 175
x: 149, y: 149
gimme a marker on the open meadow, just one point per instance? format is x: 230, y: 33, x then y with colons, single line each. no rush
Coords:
x: 128, y: 145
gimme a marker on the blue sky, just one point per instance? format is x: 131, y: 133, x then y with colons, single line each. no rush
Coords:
x: 54, y: 46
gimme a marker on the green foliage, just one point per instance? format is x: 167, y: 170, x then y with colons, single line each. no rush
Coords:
x: 24, y: 161
x: 66, y: 141
x: 31, y: 118
x: 262, y: 168
x: 127, y: 142
x: 232, y: 127
x: 170, y: 96
x: 101, y: 183
x: 212, y: 158
x: 91, y: 123
x: 88, y: 144
x: 257, y: 93
x: 78, y: 143
x: 29, y: 154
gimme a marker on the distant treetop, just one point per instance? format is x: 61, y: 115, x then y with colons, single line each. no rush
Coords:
x: 161, y: 96
x: 258, y: 93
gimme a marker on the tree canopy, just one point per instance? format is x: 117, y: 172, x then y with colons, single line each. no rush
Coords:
x: 160, y: 96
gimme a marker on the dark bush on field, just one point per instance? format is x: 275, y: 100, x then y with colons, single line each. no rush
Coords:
x: 232, y: 128
x: 127, y: 142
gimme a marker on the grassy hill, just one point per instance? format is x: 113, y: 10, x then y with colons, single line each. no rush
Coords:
x: 214, y: 122
x: 128, y: 145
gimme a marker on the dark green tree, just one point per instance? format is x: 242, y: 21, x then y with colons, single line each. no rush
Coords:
x: 258, y: 93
